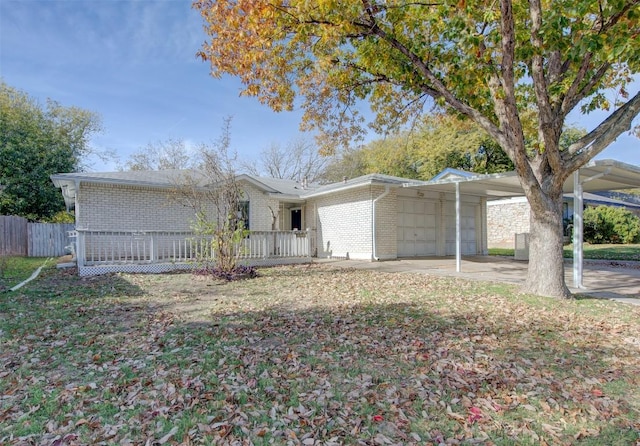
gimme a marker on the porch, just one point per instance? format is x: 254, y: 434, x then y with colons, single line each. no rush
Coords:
x: 101, y: 252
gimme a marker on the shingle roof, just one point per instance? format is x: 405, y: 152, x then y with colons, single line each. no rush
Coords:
x: 373, y: 178
x: 140, y: 177
x: 165, y: 178
x: 169, y: 178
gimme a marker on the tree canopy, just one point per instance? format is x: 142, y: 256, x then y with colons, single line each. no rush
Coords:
x: 517, y: 68
x: 35, y: 142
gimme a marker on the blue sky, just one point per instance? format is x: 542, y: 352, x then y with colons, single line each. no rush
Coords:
x: 134, y: 63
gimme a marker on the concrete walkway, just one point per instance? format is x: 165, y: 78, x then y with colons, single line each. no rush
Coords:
x: 601, y: 279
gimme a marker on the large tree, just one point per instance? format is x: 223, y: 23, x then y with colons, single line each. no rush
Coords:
x: 517, y: 68
x: 35, y: 142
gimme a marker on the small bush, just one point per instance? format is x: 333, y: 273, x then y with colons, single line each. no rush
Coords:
x: 607, y: 224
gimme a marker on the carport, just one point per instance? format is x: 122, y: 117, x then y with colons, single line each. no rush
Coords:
x: 597, y: 175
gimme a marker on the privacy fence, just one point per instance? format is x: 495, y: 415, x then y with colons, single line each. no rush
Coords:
x: 18, y: 237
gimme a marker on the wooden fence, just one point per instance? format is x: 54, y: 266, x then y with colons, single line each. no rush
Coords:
x: 13, y: 236
x: 20, y: 238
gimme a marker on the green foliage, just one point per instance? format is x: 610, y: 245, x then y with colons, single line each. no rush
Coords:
x: 219, y: 244
x: 608, y: 224
x: 36, y: 142
x: 62, y: 217
x: 441, y: 141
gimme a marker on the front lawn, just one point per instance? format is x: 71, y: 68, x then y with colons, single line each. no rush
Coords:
x: 312, y: 355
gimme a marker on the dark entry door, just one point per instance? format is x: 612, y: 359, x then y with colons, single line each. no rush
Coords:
x: 296, y: 219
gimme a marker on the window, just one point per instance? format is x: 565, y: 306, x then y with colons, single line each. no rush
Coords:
x: 243, y: 214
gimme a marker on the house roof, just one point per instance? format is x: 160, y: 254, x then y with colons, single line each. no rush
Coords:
x: 284, y: 189
x: 450, y: 172
x: 598, y: 175
x: 279, y: 186
x: 133, y: 177
x: 365, y: 180
x: 608, y: 201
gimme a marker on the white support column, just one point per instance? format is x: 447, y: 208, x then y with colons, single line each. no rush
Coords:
x: 458, y: 231
x: 577, y: 230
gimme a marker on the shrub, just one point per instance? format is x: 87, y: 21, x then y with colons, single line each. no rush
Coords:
x: 607, y: 224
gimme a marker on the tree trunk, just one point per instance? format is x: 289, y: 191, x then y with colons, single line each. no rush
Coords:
x: 546, y: 263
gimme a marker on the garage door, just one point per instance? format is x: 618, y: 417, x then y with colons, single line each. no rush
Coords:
x: 416, y: 225
x: 467, y: 229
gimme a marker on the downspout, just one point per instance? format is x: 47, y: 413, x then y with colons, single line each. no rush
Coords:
x: 76, y: 201
x: 79, y: 235
x: 387, y: 189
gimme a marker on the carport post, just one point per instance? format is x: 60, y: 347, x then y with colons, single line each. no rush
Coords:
x: 458, y: 243
x: 578, y: 226
x: 577, y: 230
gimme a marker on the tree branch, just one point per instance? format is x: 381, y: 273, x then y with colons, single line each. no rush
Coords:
x: 575, y: 95
x: 549, y: 127
x: 599, y: 138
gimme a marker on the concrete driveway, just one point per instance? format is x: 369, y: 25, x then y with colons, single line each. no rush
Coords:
x: 604, y: 279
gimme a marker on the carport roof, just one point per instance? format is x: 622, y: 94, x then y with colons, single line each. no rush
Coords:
x: 597, y: 175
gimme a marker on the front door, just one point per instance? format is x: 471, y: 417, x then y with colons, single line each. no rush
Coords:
x: 296, y: 219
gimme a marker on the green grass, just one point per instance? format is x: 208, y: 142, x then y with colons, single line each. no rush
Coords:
x: 14, y: 270
x: 607, y: 252
x: 593, y: 252
x: 340, y: 356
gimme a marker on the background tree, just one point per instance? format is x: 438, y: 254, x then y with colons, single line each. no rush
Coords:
x: 36, y: 142
x: 517, y: 68
x: 348, y: 163
x: 440, y: 141
x: 298, y: 160
x: 163, y: 155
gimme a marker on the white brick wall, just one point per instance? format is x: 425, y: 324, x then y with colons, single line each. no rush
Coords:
x: 259, y: 214
x: 343, y: 224
x: 126, y: 208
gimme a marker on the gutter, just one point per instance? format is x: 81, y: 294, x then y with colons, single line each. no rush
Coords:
x: 387, y: 189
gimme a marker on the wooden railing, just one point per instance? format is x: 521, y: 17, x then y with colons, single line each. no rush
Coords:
x: 149, y: 247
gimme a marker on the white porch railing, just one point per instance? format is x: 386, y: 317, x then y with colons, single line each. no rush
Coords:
x: 98, y: 252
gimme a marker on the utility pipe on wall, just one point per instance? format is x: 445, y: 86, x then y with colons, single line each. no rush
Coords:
x: 373, y: 221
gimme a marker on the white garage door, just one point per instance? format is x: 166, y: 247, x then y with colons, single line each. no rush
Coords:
x: 416, y: 226
x: 467, y: 229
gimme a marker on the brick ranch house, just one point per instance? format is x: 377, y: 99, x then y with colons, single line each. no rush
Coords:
x: 127, y: 221
x: 372, y: 217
